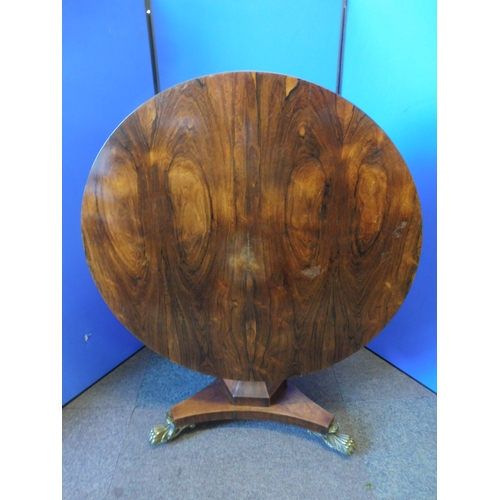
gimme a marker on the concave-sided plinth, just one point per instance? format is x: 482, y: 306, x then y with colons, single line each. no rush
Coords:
x: 234, y: 400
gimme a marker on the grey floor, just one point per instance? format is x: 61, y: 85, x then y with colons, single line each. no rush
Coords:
x: 392, y: 418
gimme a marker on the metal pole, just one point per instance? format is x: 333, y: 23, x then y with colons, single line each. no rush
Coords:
x: 152, y: 45
x: 340, y: 65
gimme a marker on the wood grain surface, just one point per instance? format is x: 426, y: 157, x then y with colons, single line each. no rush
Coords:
x: 292, y: 407
x: 246, y: 393
x: 251, y: 226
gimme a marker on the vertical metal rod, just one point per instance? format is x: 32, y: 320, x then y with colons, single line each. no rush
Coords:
x: 152, y: 45
x: 340, y: 65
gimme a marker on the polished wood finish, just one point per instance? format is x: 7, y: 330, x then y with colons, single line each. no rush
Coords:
x: 212, y: 404
x: 251, y: 226
x: 243, y: 393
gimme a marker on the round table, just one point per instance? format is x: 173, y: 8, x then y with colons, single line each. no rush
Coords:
x: 254, y: 227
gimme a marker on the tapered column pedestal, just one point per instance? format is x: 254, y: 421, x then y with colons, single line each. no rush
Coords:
x: 237, y: 400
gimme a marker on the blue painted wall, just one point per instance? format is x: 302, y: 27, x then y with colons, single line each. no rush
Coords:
x: 106, y: 75
x: 390, y: 73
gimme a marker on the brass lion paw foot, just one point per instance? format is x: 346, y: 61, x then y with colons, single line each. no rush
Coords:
x: 165, y: 433
x: 339, y: 442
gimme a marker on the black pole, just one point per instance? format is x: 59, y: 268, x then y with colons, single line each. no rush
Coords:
x: 152, y: 45
x: 340, y: 65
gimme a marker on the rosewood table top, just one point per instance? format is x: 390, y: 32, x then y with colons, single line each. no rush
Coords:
x: 251, y: 226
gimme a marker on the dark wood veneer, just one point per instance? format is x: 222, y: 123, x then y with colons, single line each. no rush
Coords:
x: 251, y: 226
x: 211, y: 404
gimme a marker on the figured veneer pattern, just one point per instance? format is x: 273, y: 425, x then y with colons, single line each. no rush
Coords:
x: 251, y: 226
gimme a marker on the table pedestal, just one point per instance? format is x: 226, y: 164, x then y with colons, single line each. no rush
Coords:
x: 237, y: 400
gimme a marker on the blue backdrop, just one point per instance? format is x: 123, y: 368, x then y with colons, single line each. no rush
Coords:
x: 389, y: 72
x: 106, y: 75
x: 196, y: 37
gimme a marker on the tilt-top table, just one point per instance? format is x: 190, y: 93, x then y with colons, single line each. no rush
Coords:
x: 254, y: 227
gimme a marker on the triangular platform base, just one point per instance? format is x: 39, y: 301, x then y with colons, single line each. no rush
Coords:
x: 222, y: 400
